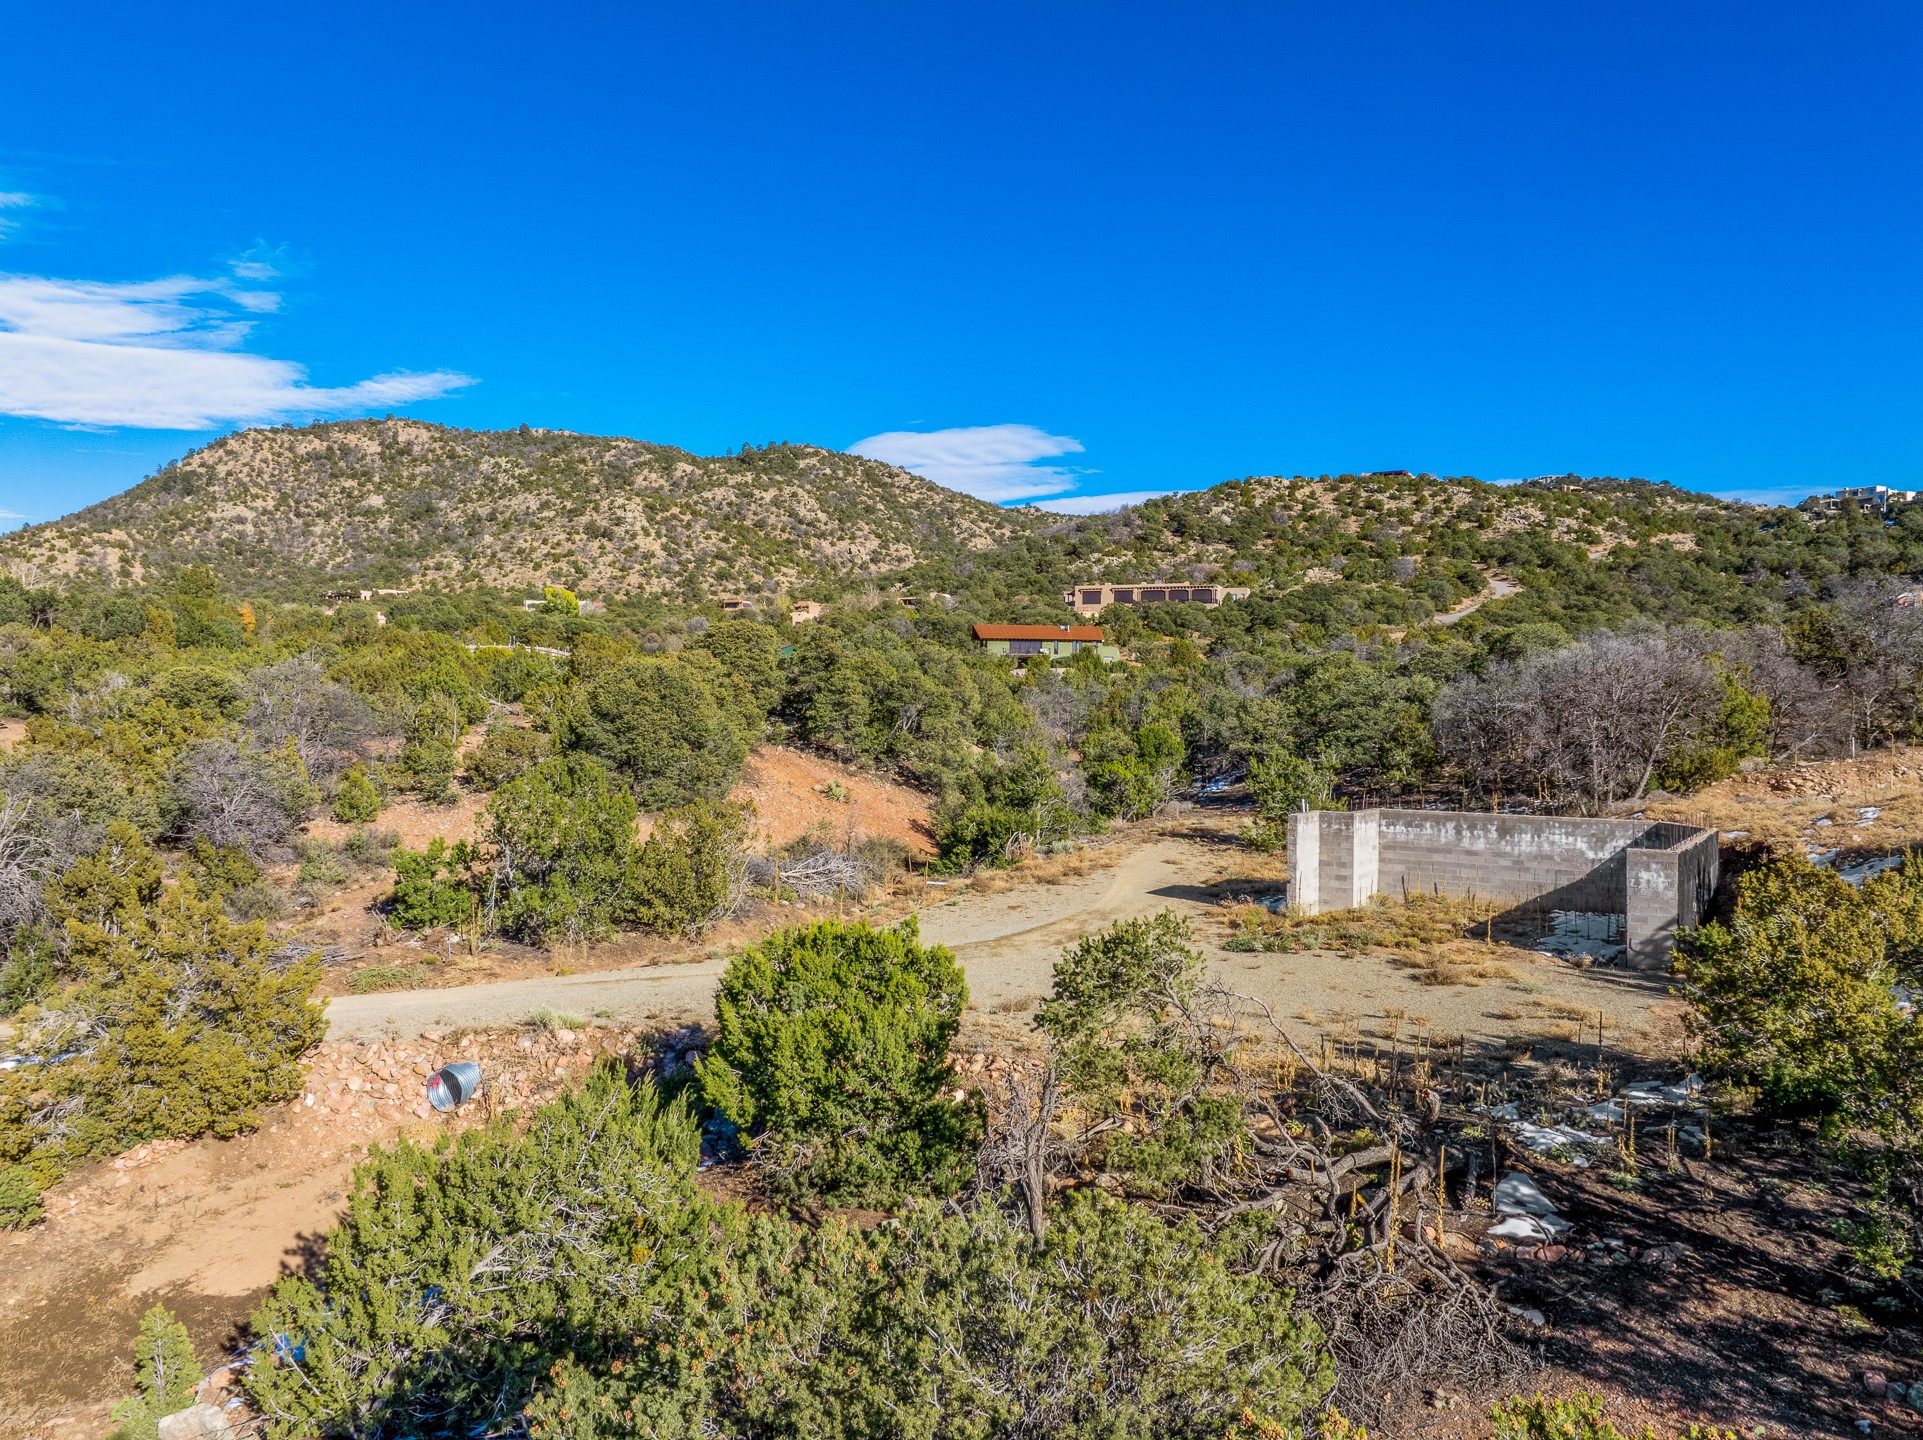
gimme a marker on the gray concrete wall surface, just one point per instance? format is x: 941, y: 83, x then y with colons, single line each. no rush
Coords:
x: 1659, y: 875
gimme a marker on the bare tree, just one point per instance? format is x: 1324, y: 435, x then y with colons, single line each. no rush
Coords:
x: 1808, y: 714
x: 1878, y: 630
x: 229, y: 794
x: 1586, y: 725
x: 1022, y: 1147
x: 294, y: 702
x: 27, y: 863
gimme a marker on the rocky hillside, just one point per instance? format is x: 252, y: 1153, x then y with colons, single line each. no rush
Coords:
x: 398, y: 502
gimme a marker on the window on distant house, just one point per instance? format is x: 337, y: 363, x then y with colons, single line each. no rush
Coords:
x: 1178, y: 595
x: 1149, y: 597
x: 1024, y: 647
x: 1091, y: 597
x: 1124, y: 595
x: 1206, y: 594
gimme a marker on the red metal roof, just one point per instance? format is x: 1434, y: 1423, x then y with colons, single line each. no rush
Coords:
x: 1039, y: 632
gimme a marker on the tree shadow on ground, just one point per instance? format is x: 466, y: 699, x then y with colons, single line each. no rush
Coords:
x: 1716, y: 1288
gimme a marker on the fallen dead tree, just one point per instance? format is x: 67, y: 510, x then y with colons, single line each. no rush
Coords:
x: 1150, y: 1080
x: 816, y: 875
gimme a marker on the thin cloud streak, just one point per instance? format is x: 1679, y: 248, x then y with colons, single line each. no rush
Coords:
x: 990, y: 462
x: 12, y: 200
x: 164, y: 355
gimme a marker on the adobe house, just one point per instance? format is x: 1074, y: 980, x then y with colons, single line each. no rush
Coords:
x: 1091, y: 599
x: 1059, y: 641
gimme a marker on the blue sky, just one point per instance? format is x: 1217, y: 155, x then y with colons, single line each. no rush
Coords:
x: 1038, y: 250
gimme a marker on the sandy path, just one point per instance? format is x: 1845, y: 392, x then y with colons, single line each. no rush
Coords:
x: 640, y: 993
x: 1008, y: 943
x: 1499, y: 589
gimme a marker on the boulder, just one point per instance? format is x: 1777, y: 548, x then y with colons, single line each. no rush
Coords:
x: 196, y: 1422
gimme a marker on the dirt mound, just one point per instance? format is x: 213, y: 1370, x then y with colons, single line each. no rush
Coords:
x: 1871, y: 803
x: 206, y: 1227
x: 791, y: 792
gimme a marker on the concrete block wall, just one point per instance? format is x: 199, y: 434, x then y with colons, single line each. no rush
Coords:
x: 1658, y: 875
x: 1505, y: 859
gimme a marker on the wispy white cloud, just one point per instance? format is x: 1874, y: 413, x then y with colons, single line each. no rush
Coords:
x: 12, y: 200
x: 164, y: 355
x: 261, y: 261
x: 1098, y: 504
x: 991, y: 462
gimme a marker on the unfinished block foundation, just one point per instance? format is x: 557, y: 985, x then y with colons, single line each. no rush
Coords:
x: 1659, y: 875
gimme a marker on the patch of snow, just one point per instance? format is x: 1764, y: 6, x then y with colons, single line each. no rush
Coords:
x: 1581, y: 932
x: 1547, y: 1139
x: 1532, y: 1228
x: 1528, y: 1212
x: 1862, y: 870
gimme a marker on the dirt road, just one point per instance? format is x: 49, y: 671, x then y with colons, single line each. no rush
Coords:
x: 649, y: 991
x: 1007, y: 944
x: 1499, y: 589
x: 1008, y: 941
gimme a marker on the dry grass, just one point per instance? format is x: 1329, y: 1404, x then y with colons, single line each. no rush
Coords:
x: 1780, y: 806
x: 1428, y: 934
x: 1059, y: 869
x: 1461, y: 963
x: 1254, y: 870
x: 1417, y: 923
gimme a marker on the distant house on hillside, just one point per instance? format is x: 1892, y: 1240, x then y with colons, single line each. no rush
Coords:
x: 802, y: 612
x: 1092, y: 599
x: 1055, y: 640
x: 1879, y: 499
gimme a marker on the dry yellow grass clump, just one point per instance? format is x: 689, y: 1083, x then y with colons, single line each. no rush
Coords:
x: 1873, y: 802
x: 1432, y: 935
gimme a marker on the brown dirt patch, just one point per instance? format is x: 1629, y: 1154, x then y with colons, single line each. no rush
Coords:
x: 789, y: 790
x: 413, y: 820
x: 206, y: 1227
x: 1820, y: 804
x: 1717, y: 1295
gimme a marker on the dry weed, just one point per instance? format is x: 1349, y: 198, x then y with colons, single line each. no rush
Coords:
x: 1456, y: 964
x: 1419, y: 927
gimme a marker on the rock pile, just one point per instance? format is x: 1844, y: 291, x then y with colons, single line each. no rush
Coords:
x: 376, y: 1084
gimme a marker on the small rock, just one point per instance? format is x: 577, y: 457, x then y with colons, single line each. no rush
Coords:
x: 196, y: 1422
x: 1876, y: 1382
